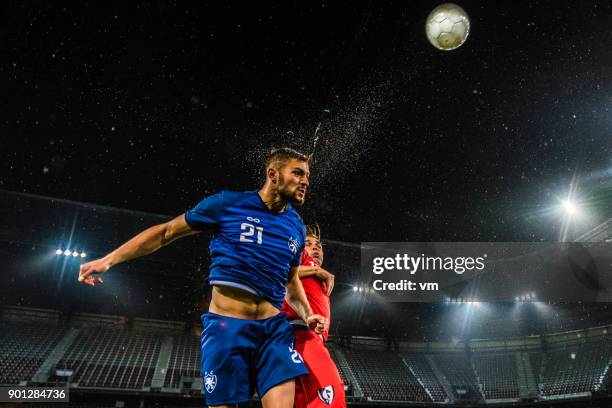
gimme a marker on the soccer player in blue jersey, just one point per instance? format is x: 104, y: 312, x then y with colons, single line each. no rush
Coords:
x: 247, y: 344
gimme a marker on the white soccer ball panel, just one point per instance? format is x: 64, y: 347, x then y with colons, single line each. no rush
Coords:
x: 439, y: 17
x: 433, y: 30
x: 459, y: 29
x: 447, y: 26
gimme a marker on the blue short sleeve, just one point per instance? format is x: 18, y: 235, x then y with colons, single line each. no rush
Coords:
x: 206, y: 214
x: 297, y: 259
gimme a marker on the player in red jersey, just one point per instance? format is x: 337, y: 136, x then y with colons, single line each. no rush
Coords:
x: 322, y: 386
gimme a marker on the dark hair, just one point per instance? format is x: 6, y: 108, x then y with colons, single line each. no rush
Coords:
x: 282, y: 154
x: 314, y: 231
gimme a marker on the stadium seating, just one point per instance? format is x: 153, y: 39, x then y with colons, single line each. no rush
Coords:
x: 116, y: 358
x: 184, y: 360
x: 23, y: 348
x: 383, y: 375
x: 342, y: 367
x: 497, y: 375
x: 421, y: 369
x: 536, y: 365
x: 458, y: 371
x: 575, y: 369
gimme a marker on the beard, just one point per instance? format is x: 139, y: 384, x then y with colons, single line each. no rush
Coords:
x: 287, y: 195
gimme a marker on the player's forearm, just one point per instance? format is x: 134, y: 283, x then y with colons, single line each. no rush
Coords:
x: 306, y: 271
x: 296, y: 298
x: 148, y: 241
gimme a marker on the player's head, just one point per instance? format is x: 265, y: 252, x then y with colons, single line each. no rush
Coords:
x: 313, y: 246
x: 287, y: 172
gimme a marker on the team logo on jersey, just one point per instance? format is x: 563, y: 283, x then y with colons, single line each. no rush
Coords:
x: 257, y: 220
x: 293, y: 245
x: 326, y: 394
x: 210, y: 381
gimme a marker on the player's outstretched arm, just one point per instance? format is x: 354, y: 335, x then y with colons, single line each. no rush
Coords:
x: 296, y: 298
x: 148, y: 241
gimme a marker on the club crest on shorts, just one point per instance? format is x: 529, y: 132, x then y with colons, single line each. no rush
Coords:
x: 326, y: 394
x: 293, y: 245
x: 210, y: 381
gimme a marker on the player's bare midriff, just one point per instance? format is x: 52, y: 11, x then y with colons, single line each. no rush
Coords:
x: 234, y: 302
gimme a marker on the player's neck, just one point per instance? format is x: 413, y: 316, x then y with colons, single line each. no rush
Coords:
x: 272, y: 199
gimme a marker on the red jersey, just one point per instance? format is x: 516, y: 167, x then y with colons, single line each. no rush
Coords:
x: 316, y: 293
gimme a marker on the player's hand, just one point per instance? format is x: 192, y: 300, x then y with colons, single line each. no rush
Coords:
x: 326, y: 277
x: 88, y: 270
x: 317, y: 323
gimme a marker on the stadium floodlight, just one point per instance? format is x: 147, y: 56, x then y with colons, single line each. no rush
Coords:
x: 355, y: 288
x: 569, y: 207
x: 69, y: 252
x: 573, y: 356
x: 516, y: 299
x: 360, y: 289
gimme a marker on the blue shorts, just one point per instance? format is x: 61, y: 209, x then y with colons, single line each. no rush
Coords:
x: 240, y: 356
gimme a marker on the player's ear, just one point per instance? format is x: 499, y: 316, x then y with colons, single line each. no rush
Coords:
x: 272, y: 175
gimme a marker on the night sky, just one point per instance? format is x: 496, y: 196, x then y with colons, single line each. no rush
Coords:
x: 152, y: 106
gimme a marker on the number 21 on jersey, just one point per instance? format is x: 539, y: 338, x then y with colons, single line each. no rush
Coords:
x: 248, y: 232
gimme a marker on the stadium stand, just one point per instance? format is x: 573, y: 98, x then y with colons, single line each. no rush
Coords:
x: 23, y: 349
x: 184, y: 360
x: 459, y: 372
x: 343, y: 367
x: 384, y: 376
x: 124, y: 356
x: 536, y: 366
x: 115, y: 358
x: 575, y: 369
x: 423, y: 372
x: 497, y: 375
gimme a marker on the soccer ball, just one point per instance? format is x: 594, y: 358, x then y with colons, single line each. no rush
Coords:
x: 447, y: 26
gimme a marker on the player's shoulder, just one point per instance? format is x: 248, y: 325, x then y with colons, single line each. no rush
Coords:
x: 295, y: 215
x: 296, y: 219
x: 230, y: 197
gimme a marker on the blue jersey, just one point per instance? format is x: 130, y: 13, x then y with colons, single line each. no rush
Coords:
x: 253, y: 247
